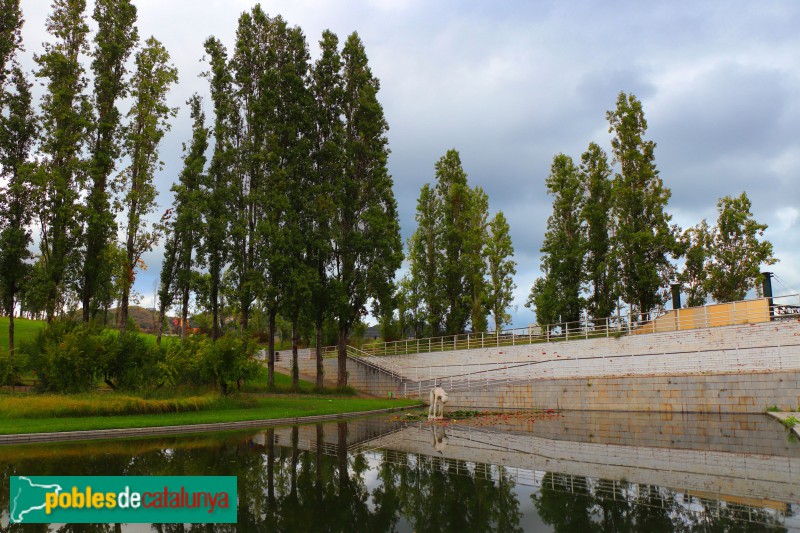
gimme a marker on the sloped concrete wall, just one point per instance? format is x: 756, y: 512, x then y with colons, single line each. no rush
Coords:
x: 735, y: 369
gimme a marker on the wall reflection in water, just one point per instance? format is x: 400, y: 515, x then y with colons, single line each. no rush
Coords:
x: 332, y: 478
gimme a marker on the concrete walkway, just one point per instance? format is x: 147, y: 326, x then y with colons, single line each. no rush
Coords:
x: 783, y: 416
x: 95, y: 434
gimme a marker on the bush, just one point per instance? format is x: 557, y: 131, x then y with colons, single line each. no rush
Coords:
x: 132, y: 362
x: 228, y: 360
x: 70, y: 357
x: 66, y: 356
x: 5, y: 368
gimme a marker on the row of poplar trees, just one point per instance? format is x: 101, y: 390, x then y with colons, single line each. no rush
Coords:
x: 609, y: 241
x: 294, y: 213
x: 461, y: 262
x: 73, y: 167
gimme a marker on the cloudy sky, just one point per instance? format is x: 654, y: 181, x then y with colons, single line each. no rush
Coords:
x: 511, y: 84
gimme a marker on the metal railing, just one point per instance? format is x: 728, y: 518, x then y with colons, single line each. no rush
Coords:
x: 742, y: 312
x: 484, y: 375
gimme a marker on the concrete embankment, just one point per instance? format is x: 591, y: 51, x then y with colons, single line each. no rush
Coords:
x: 733, y: 369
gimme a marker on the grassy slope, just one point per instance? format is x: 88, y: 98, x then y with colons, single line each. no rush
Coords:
x: 24, y: 330
x: 265, y: 408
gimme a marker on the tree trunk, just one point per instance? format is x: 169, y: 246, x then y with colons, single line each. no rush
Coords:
x: 342, y: 356
x: 271, y: 355
x: 320, y: 367
x: 85, y: 304
x: 11, y: 334
x: 215, y: 304
x: 122, y: 319
x: 295, y: 366
x: 184, y: 310
x: 162, y: 311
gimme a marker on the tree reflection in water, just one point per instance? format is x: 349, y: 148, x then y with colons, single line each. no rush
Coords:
x: 300, y: 487
x: 577, y: 504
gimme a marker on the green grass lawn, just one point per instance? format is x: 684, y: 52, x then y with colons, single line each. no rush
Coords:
x: 283, y: 383
x: 24, y: 330
x: 257, y: 408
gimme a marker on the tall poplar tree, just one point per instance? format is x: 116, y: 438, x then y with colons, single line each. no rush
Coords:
x: 17, y: 135
x: 366, y: 232
x: 65, y: 112
x: 188, y: 210
x: 252, y: 231
x: 599, y: 266
x: 17, y: 132
x: 294, y: 127
x: 644, y: 240
x: 149, y: 120
x: 328, y: 165
x: 426, y: 257
x: 169, y: 272
x: 455, y: 199
x: 115, y: 39
x: 226, y: 214
x: 501, y: 270
x: 557, y: 296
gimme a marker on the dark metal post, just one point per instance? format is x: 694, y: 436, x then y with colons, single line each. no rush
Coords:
x: 766, y: 285
x: 676, y: 295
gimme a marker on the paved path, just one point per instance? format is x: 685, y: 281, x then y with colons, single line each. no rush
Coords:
x: 25, y: 438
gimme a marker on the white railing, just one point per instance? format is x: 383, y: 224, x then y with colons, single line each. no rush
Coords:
x: 743, y: 312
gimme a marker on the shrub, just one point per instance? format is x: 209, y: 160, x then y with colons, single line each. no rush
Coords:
x: 5, y: 367
x: 66, y: 356
x: 228, y: 360
x: 70, y: 357
x: 132, y: 361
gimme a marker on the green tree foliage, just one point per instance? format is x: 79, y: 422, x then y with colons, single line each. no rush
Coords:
x: 366, y: 233
x: 697, y: 243
x: 557, y: 296
x: 328, y: 155
x: 447, y: 251
x: 17, y: 133
x: 599, y: 265
x: 167, y: 286
x: 255, y: 257
x: 294, y: 125
x: 502, y: 268
x: 149, y: 120
x: 114, y: 41
x: 65, y: 112
x: 227, y: 190
x: 426, y: 257
x: 644, y: 240
x: 188, y: 209
x: 10, y: 35
x: 737, y: 251
x: 462, y: 236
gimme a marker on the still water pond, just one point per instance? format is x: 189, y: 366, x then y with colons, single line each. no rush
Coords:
x: 571, y: 472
